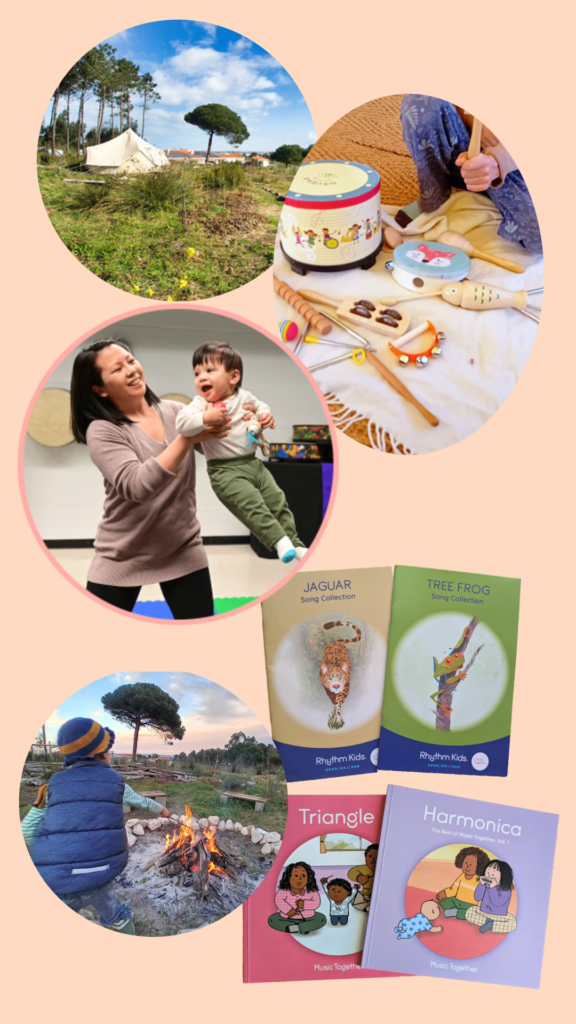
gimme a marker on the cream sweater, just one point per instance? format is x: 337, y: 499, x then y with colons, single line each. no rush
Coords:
x: 190, y: 422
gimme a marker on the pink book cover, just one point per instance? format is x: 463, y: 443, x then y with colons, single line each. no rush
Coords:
x: 307, y: 920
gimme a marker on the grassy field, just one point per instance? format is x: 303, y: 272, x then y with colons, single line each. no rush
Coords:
x: 202, y: 797
x: 132, y: 232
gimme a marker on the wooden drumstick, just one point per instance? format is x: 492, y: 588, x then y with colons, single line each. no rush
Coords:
x: 475, y: 139
x: 311, y: 315
x: 383, y: 370
x: 401, y: 389
x: 455, y: 238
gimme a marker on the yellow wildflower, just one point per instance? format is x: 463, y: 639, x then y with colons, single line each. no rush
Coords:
x: 136, y: 288
x: 150, y: 292
x: 191, y: 252
x: 169, y: 299
x: 183, y: 283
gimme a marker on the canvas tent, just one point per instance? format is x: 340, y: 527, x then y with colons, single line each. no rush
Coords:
x: 126, y: 154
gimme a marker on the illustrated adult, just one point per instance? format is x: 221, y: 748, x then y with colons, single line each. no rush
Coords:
x: 149, y: 532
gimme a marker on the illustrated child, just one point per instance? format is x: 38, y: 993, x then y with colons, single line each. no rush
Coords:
x: 238, y: 478
x: 421, y: 922
x: 75, y: 829
x: 494, y: 892
x: 339, y: 892
x: 364, y: 875
x: 456, y: 900
x: 297, y: 899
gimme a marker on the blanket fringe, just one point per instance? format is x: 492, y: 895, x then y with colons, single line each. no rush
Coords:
x: 376, y: 436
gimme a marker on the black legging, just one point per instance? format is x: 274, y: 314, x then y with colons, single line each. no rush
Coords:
x: 188, y: 597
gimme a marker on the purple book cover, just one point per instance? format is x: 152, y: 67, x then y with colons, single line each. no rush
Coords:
x: 461, y: 889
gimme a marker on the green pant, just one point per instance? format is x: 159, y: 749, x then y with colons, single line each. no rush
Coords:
x: 250, y: 493
x: 305, y: 925
x: 451, y: 903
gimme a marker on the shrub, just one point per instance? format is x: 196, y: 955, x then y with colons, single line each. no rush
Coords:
x: 224, y: 176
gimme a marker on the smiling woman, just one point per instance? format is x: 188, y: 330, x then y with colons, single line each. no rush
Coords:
x: 129, y: 112
x: 156, y: 448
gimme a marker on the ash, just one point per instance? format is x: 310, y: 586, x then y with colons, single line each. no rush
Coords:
x: 161, y: 907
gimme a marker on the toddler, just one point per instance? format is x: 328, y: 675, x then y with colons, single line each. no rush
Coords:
x: 238, y: 478
x: 339, y: 892
x: 421, y: 922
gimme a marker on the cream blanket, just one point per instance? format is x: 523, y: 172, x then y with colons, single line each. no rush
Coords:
x: 483, y: 355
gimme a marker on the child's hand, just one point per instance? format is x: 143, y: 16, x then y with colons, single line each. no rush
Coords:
x: 267, y: 421
x: 441, y: 895
x: 478, y: 173
x: 357, y: 887
x: 164, y: 813
x: 323, y: 881
x: 215, y: 416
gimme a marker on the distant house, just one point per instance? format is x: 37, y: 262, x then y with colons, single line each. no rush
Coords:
x: 258, y: 161
x: 228, y: 158
x: 180, y: 154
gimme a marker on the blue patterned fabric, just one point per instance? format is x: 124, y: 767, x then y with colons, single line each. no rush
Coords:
x: 435, y: 136
x: 81, y: 841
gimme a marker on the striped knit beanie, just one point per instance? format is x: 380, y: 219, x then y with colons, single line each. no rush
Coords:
x: 83, y: 737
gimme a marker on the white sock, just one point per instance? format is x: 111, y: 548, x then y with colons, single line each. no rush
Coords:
x: 285, y: 549
x: 300, y: 552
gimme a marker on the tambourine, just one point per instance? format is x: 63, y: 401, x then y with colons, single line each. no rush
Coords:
x: 421, y: 266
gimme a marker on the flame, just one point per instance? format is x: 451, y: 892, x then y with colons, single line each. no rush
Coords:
x: 185, y: 837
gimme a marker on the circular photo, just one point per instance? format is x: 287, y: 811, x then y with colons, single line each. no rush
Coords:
x: 409, y: 243
x: 324, y: 891
x: 461, y: 902
x: 164, y: 154
x: 143, y: 842
x: 177, y: 463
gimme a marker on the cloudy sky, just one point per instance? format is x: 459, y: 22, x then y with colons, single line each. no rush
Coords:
x: 194, y: 63
x: 209, y: 712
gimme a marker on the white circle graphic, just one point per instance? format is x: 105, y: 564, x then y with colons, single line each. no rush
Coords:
x: 480, y: 761
x: 374, y: 756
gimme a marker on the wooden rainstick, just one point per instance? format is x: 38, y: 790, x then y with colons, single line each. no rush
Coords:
x: 311, y: 315
x: 461, y: 242
x: 344, y: 311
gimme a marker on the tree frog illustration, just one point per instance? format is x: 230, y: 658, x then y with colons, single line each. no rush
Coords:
x: 450, y: 664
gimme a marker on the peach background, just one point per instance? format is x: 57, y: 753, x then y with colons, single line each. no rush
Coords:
x: 501, y: 505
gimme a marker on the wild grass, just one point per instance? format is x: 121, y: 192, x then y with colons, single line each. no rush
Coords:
x: 177, y: 234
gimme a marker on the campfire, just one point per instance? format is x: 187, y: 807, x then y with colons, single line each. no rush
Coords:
x: 192, y: 854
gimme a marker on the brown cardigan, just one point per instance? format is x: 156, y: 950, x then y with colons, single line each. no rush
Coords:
x: 149, y: 532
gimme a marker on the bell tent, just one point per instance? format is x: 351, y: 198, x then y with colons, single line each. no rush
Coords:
x: 126, y: 154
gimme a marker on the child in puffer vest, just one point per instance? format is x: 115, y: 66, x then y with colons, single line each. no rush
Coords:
x: 75, y: 829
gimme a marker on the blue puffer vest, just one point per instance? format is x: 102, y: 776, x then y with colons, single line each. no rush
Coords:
x: 81, y: 842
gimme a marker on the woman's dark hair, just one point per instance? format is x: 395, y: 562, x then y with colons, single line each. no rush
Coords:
x: 311, y: 884
x: 373, y: 846
x: 219, y: 352
x: 482, y: 858
x: 86, y: 404
x: 340, y: 881
x: 506, y: 874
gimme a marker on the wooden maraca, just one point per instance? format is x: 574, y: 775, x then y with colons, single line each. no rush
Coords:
x: 455, y: 238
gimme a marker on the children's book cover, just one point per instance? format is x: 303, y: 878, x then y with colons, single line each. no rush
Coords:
x: 325, y: 639
x: 450, y: 672
x: 307, y: 919
x: 461, y: 889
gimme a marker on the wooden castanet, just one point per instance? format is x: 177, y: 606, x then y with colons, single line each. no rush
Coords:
x: 392, y: 237
x: 461, y: 242
x: 478, y: 296
x: 298, y: 302
x: 348, y: 308
x: 383, y: 370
